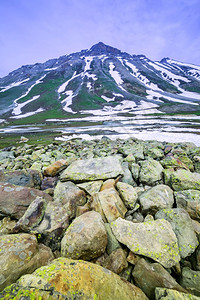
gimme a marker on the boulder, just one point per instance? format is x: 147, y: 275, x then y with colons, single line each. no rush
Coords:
x: 150, y: 172
x: 20, y: 254
x: 112, y: 243
x: 109, y: 205
x: 183, y: 228
x: 135, y: 170
x: 7, y: 226
x: 148, y: 276
x: 190, y: 280
x: 70, y: 196
x: 85, y: 238
x: 71, y: 279
x: 29, y: 178
x: 190, y: 201
x: 183, y: 180
x: 159, y: 196
x: 168, y: 294
x: 108, y: 184
x: 116, y: 261
x: 154, y: 239
x: 127, y: 178
x: 128, y: 194
x: 14, y: 200
x: 93, y: 169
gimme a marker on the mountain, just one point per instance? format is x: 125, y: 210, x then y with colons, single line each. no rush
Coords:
x: 99, y: 81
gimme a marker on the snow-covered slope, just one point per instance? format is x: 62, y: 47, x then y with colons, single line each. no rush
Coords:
x: 99, y: 81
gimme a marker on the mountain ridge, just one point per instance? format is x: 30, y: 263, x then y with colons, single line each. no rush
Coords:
x: 100, y: 80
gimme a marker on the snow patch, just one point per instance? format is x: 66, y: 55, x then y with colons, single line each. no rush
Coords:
x: 17, y: 109
x: 116, y: 76
x: 88, y: 60
x: 14, y: 84
x: 28, y: 114
x: 68, y: 101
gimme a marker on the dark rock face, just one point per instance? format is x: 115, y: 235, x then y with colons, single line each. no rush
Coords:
x: 29, y: 178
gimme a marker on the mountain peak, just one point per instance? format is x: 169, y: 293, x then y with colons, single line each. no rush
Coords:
x: 101, y: 48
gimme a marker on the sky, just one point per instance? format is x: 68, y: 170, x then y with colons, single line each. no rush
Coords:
x: 36, y: 30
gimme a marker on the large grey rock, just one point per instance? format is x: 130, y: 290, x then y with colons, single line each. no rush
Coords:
x: 150, y: 172
x: 127, y: 178
x: 109, y: 205
x: 183, y: 228
x: 20, y: 254
x: 93, y: 169
x: 168, y: 294
x: 128, y: 194
x: 159, y: 196
x: 29, y: 178
x: 73, y: 279
x: 190, y: 280
x: 183, y: 180
x: 154, y: 239
x: 85, y: 238
x: 14, y: 200
x: 190, y: 201
x: 70, y: 196
x: 113, y: 243
x: 148, y: 276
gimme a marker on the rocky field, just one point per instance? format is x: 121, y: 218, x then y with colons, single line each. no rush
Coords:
x: 100, y: 220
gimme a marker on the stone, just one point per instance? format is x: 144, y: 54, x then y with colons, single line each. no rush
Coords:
x: 190, y: 280
x: 71, y: 279
x: 6, y: 155
x: 135, y: 170
x: 184, y: 180
x: 173, y: 162
x: 116, y: 261
x: 20, y: 254
x: 85, y: 238
x: 93, y: 169
x: 135, y: 149
x: 56, y: 167
x: 32, y: 216
x: 148, y: 276
x: 168, y: 294
x: 112, y: 243
x: 108, y: 184
x: 70, y: 196
x: 154, y: 239
x: 183, y: 228
x: 48, y: 183
x: 28, y: 178
x: 128, y: 194
x: 91, y: 187
x: 190, y: 201
x: 127, y: 178
x: 157, y: 197
x: 14, y: 200
x: 7, y: 226
x: 133, y: 258
x: 150, y: 172
x: 154, y: 152
x: 109, y: 205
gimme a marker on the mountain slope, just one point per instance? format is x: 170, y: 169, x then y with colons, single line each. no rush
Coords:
x: 99, y: 81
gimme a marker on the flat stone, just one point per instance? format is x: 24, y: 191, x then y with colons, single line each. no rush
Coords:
x: 93, y: 169
x: 150, y: 172
x: 91, y: 187
x: 184, y: 180
x: 154, y: 239
x: 183, y: 228
x: 56, y: 167
x: 168, y: 294
x: 14, y: 200
x: 148, y: 276
x: 73, y: 279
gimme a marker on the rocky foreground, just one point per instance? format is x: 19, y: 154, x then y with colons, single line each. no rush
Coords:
x: 100, y: 220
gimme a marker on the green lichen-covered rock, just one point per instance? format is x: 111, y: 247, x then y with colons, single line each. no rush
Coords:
x: 183, y: 228
x: 183, y: 180
x: 190, y: 280
x: 190, y: 201
x: 85, y: 238
x: 148, y: 276
x: 127, y: 178
x: 20, y: 254
x: 93, y: 169
x: 150, y: 172
x: 128, y: 194
x: 70, y: 279
x: 154, y: 239
x: 113, y: 243
x: 168, y: 294
x: 157, y: 197
x: 91, y: 187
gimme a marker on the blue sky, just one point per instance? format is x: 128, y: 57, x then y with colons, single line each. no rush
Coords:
x: 36, y: 30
